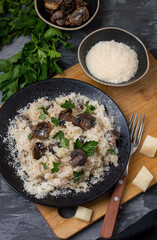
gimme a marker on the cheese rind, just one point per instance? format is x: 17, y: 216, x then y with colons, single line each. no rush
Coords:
x: 143, y: 179
x: 149, y: 146
x: 83, y: 214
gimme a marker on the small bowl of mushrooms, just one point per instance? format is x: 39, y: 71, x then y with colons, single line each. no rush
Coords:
x: 67, y: 14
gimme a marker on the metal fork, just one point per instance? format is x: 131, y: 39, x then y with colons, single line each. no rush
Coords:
x: 136, y: 129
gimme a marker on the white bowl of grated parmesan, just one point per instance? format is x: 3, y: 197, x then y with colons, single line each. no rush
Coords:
x: 113, y: 56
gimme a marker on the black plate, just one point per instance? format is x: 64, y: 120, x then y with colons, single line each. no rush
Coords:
x: 53, y: 88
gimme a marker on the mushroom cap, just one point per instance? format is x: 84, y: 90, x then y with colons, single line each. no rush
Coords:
x: 85, y: 121
x: 66, y: 115
x: 80, y: 15
x: 41, y: 130
x: 78, y: 158
x: 56, y: 16
x: 38, y: 150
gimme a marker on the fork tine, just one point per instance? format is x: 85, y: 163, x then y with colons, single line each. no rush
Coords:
x: 140, y: 130
x: 136, y: 130
x: 130, y: 121
x: 133, y: 126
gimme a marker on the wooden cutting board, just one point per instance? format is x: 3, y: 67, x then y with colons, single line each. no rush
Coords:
x: 139, y: 97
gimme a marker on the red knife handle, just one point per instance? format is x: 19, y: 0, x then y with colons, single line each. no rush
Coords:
x: 112, y: 210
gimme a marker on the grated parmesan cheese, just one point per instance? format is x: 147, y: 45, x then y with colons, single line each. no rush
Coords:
x: 111, y: 61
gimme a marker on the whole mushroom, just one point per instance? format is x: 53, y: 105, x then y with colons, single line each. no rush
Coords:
x: 41, y: 130
x: 78, y: 158
x: 80, y: 15
x: 66, y: 115
x: 56, y: 16
x: 53, y: 4
x: 38, y: 150
x: 85, y: 121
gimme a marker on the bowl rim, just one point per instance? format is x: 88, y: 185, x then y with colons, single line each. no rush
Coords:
x: 122, y: 84
x: 65, y: 28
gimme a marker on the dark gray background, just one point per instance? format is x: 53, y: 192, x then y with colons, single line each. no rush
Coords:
x: 19, y: 218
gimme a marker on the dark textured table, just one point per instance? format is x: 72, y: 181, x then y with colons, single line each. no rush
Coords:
x: 19, y: 218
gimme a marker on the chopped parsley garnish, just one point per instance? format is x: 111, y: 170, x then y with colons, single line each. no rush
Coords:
x: 55, y: 121
x: 77, y: 176
x: 78, y: 144
x: 68, y: 104
x: 30, y: 136
x: 59, y: 135
x: 44, y: 165
x: 87, y: 147
x: 44, y: 110
x: 89, y: 108
x: 55, y: 167
x: 64, y: 142
x: 112, y: 151
x: 42, y: 117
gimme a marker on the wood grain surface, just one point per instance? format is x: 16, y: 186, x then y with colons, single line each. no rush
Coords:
x: 139, y: 97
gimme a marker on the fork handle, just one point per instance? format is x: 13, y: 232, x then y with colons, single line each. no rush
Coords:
x: 112, y: 210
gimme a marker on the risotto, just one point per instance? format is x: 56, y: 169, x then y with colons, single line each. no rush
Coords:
x: 62, y: 145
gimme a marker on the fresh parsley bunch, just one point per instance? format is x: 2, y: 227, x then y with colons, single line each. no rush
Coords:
x: 38, y: 58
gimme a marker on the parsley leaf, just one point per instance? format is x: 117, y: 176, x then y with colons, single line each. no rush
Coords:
x: 55, y: 167
x: 77, y: 176
x: 38, y: 59
x: 89, y: 108
x: 68, y: 104
x: 55, y: 121
x: 87, y: 147
x: 30, y: 136
x: 44, y: 165
x: 111, y: 151
x: 59, y: 135
x: 44, y: 110
x: 78, y: 144
x: 42, y: 117
x: 64, y: 142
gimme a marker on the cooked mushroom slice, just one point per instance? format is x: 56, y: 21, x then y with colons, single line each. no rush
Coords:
x: 60, y: 22
x: 52, y: 5
x: 39, y: 150
x: 85, y: 121
x: 78, y: 16
x: 78, y: 158
x: 66, y: 115
x: 41, y: 130
x: 56, y: 16
x: 66, y: 9
x: 112, y: 137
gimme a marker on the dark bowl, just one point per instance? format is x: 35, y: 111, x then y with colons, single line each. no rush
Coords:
x: 119, y: 35
x: 52, y: 88
x: 93, y: 9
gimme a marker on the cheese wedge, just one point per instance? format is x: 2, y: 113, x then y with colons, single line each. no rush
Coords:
x: 143, y: 179
x: 149, y: 146
x: 83, y: 214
